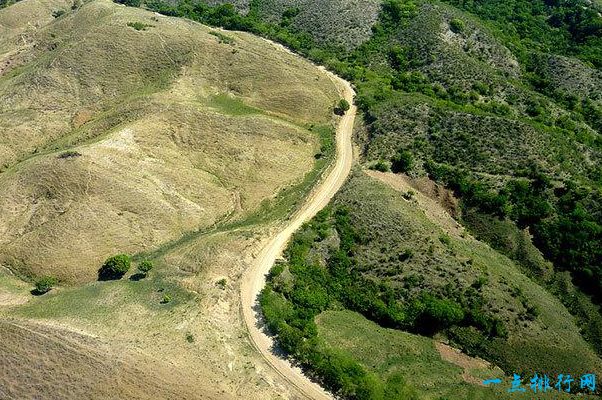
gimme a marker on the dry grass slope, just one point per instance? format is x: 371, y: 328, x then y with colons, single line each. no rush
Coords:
x: 36, y: 356
x: 112, y: 139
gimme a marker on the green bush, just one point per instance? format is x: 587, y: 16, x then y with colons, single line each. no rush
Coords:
x: 381, y: 166
x: 114, y: 267
x: 457, y: 25
x: 139, y: 26
x: 342, y: 107
x: 44, y: 285
x: 145, y: 266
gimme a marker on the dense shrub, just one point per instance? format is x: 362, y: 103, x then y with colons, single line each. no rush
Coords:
x: 145, y: 266
x: 457, y: 25
x: 44, y: 285
x: 402, y: 161
x: 114, y: 267
x: 342, y: 107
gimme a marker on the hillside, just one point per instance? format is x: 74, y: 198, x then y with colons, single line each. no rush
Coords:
x: 118, y: 140
x: 123, y: 130
x: 344, y: 23
x: 466, y: 244
x: 393, y: 254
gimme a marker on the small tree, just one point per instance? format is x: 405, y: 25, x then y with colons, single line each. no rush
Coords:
x: 342, y: 107
x: 114, y: 267
x: 44, y: 285
x: 145, y: 266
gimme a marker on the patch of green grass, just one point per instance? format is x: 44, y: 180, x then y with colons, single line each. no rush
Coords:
x: 389, y: 352
x: 222, y: 38
x: 139, y: 26
x: 231, y: 105
x: 99, y: 301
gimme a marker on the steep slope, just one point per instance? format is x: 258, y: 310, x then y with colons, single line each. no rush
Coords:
x: 122, y: 130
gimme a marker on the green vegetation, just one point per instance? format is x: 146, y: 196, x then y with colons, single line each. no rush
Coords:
x: 145, y: 267
x: 348, y: 258
x: 114, y: 267
x: 342, y: 107
x: 563, y: 26
x: 44, y: 285
x: 457, y: 25
x: 139, y: 26
x: 402, y: 161
x: 231, y: 105
x: 222, y: 38
x: 500, y: 101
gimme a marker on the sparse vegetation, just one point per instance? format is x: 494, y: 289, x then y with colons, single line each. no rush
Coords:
x: 222, y: 38
x: 222, y: 283
x: 69, y: 154
x: 130, y: 3
x: 166, y: 298
x: 139, y: 26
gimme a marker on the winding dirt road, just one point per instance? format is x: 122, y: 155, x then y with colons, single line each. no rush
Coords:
x: 254, y: 278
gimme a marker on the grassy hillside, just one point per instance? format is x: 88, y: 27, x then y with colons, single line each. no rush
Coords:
x: 386, y: 254
x: 118, y: 137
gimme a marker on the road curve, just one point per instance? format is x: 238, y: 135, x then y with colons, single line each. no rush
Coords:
x: 254, y: 277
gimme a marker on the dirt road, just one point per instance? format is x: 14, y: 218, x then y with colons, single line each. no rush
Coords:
x: 254, y: 278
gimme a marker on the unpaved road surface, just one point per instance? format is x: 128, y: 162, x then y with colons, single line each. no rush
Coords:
x: 254, y: 278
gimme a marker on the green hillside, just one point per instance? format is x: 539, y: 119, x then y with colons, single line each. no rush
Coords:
x: 379, y: 252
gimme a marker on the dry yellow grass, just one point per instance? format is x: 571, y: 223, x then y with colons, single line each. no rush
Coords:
x: 170, y: 131
x: 159, y: 156
x: 35, y: 357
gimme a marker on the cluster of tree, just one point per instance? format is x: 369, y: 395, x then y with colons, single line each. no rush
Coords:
x: 565, y: 222
x: 117, y: 266
x: 569, y: 27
